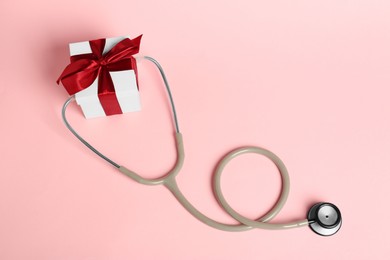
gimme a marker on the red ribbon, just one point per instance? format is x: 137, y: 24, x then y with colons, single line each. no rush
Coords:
x: 84, y: 68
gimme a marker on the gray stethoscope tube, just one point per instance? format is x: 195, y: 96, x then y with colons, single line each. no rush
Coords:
x: 323, y: 218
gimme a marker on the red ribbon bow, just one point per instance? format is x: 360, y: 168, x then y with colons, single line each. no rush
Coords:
x: 85, y: 68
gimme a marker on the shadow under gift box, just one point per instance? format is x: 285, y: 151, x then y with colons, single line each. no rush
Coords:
x: 125, y: 84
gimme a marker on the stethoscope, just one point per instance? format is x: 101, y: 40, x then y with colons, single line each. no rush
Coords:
x: 323, y: 218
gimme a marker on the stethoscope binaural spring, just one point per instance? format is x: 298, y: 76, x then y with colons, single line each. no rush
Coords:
x: 323, y: 218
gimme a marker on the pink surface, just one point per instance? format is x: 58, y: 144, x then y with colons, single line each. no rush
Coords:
x: 308, y: 80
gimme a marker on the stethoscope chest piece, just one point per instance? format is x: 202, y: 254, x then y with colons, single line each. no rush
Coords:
x: 324, y: 219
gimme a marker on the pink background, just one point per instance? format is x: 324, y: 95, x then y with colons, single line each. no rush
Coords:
x: 306, y: 79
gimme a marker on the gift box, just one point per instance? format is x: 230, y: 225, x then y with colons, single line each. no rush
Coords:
x: 103, y: 76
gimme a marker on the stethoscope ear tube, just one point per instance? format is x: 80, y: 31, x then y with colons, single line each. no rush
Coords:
x: 323, y: 218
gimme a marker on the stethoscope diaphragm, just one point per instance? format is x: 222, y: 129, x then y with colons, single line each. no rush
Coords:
x: 324, y: 219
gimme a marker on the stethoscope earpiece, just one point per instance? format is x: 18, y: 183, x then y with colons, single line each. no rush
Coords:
x: 324, y: 219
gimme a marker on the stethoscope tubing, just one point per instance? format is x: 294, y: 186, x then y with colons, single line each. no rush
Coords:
x: 169, y: 179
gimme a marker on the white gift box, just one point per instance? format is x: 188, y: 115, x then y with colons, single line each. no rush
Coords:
x: 125, y: 84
